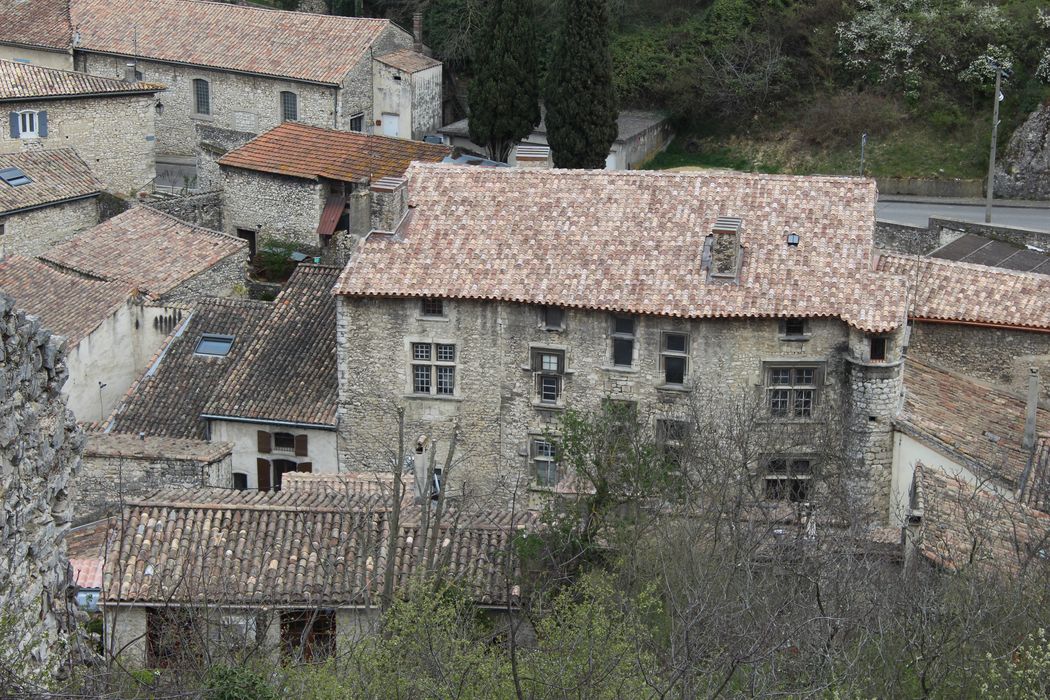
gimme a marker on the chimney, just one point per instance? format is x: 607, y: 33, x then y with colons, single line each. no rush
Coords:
x: 538, y: 157
x: 389, y: 203
x: 130, y: 74
x: 724, y: 248
x: 1028, y: 442
x: 417, y: 31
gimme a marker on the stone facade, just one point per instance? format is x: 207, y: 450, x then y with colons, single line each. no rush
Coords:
x: 407, y: 104
x: 275, y: 206
x: 496, y: 402
x: 204, y: 209
x: 39, y: 451
x: 213, y: 143
x: 114, y: 135
x: 118, y: 467
x: 1000, y: 356
x: 915, y: 240
x: 32, y: 232
x: 223, y: 279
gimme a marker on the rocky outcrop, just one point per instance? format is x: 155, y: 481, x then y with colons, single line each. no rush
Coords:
x: 1024, y: 170
x: 40, y: 446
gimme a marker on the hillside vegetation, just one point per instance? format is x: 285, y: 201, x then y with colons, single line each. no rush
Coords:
x: 790, y: 85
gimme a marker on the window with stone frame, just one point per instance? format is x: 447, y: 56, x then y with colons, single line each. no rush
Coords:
x: 788, y: 479
x: 548, y: 368
x: 623, y: 338
x: 432, y: 307
x: 433, y: 368
x: 793, y: 391
x: 674, y: 357
x: 672, y: 438
x: 289, y: 106
x: 878, y: 348
x: 794, y: 327
x: 201, y: 96
x: 544, y: 458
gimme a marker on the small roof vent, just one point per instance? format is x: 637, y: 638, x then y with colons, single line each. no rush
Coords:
x: 729, y: 224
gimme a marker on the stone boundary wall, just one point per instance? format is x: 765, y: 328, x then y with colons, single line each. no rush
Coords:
x: 34, y: 232
x: 212, y: 144
x: 116, y: 467
x: 39, y: 452
x: 223, y: 279
x: 915, y: 240
x: 931, y: 187
x: 203, y: 209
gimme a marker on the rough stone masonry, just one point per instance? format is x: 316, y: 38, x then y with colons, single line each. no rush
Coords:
x: 40, y: 446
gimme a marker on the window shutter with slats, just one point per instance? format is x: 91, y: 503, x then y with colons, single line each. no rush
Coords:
x: 15, y: 128
x: 265, y: 441
x: 301, y: 445
x: 305, y: 467
x: 262, y: 467
x: 41, y: 124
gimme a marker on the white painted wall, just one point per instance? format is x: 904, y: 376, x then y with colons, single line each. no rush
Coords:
x: 392, y: 94
x: 116, y: 354
x: 321, y: 446
x: 38, y: 57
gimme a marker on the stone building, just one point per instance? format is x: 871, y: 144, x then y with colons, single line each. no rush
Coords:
x: 507, y: 295
x: 165, y: 260
x: 45, y: 198
x: 38, y: 457
x: 108, y: 122
x: 401, y: 78
x: 234, y: 67
x: 640, y: 135
x: 256, y: 375
x: 260, y: 600
x: 310, y: 185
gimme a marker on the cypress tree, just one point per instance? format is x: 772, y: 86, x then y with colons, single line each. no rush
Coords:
x: 580, y: 98
x: 504, y: 96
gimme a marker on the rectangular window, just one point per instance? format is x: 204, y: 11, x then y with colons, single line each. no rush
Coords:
x: 878, y: 349
x: 201, y: 96
x: 283, y: 442
x: 623, y: 341
x: 548, y: 366
x: 671, y: 438
x: 788, y: 479
x: 289, y: 106
x: 357, y: 122
x: 553, y: 318
x: 674, y: 356
x: 545, y: 462
x: 792, y: 391
x: 214, y: 345
x: 794, y: 327
x: 14, y: 177
x: 240, y: 481
x: 432, y: 307
x: 27, y: 125
x: 308, y: 635
x: 434, y: 368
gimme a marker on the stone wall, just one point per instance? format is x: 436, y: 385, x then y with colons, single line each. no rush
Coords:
x: 114, y: 135
x: 212, y: 144
x: 1000, y: 356
x: 900, y: 238
x: 426, y: 102
x: 204, y: 209
x: 33, y: 232
x: 223, y: 279
x: 39, y: 451
x: 495, y: 400
x: 931, y: 187
x: 247, y: 103
x: 915, y: 240
x: 119, y: 467
x: 356, y: 94
x: 281, y: 207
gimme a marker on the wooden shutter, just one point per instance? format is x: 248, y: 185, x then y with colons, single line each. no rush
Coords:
x: 15, y: 128
x: 305, y: 467
x: 265, y: 441
x: 262, y: 467
x: 41, y: 124
x: 301, y: 445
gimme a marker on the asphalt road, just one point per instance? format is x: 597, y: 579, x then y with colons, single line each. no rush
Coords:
x: 917, y: 213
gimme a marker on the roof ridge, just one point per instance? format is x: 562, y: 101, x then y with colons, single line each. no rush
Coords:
x: 106, y: 79
x: 176, y: 219
x: 277, y: 10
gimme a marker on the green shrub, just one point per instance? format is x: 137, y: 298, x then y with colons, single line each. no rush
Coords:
x: 228, y: 683
x: 274, y: 259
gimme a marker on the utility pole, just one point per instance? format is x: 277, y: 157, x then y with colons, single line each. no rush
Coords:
x: 995, y: 136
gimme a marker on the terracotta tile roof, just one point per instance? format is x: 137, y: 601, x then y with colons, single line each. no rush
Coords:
x: 167, y: 401
x: 87, y: 572
x: 294, y: 548
x: 288, y: 370
x: 150, y: 447
x: 67, y: 305
x: 298, y: 150
x: 23, y: 81
x: 56, y: 175
x: 150, y: 250
x: 348, y: 483
x: 408, y: 60
x: 965, y: 525
x: 982, y: 425
x: 37, y: 23
x: 298, y: 45
x: 633, y: 242
x: 945, y: 290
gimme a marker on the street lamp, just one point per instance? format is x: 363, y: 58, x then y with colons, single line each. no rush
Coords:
x: 1000, y: 71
